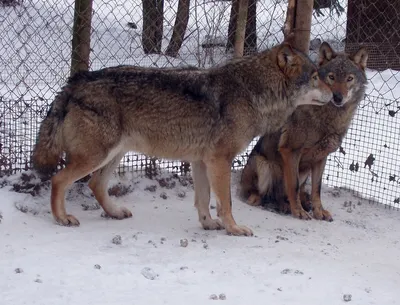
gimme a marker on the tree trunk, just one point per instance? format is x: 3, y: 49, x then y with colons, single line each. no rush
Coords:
x: 178, y: 33
x: 241, y: 28
x: 302, y: 25
x: 81, y: 36
x: 250, y: 43
x: 158, y: 31
x: 148, y: 26
x: 232, y: 25
x: 288, y: 26
x: 153, y: 15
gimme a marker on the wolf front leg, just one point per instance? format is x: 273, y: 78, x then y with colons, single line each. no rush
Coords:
x: 291, y: 161
x: 202, y: 197
x: 316, y: 182
x: 219, y: 175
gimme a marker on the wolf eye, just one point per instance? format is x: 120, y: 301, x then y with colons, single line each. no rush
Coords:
x: 315, y: 77
x: 331, y: 77
x: 350, y: 78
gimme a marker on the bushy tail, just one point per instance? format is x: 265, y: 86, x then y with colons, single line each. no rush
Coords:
x: 49, y: 145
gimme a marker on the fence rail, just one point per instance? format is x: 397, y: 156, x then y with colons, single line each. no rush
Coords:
x: 35, y: 58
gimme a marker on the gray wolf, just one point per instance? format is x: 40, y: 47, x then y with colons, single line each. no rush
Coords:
x: 202, y: 116
x: 281, y: 162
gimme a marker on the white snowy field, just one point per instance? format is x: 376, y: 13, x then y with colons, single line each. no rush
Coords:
x: 288, y: 261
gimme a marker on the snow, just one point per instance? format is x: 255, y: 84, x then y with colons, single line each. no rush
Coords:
x: 288, y: 261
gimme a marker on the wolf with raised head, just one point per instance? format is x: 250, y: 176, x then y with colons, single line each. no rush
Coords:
x: 203, y: 116
x: 281, y: 162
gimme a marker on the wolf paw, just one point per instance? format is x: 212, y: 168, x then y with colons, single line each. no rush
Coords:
x: 254, y: 200
x: 284, y: 207
x: 301, y: 214
x: 321, y: 214
x: 212, y: 224
x: 239, y: 230
x: 68, y: 221
x: 117, y: 213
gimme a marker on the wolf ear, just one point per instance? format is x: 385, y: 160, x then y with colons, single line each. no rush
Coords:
x: 326, y: 53
x: 360, y: 58
x: 285, y: 56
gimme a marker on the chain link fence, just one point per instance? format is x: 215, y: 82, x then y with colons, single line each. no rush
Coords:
x: 35, y: 58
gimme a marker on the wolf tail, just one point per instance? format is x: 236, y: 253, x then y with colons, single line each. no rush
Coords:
x: 49, y: 144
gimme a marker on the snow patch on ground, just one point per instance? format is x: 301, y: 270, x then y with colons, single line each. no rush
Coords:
x: 288, y: 261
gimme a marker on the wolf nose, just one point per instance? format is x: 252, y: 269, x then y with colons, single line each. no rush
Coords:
x: 337, y: 98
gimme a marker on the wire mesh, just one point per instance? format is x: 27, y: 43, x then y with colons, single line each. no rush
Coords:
x: 35, y: 58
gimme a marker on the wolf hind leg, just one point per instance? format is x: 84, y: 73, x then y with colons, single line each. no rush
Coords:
x: 248, y: 191
x: 77, y: 167
x: 269, y: 178
x: 305, y: 199
x: 98, y: 184
x: 202, y: 197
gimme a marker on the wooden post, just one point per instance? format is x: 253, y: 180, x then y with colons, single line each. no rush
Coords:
x: 302, y: 24
x: 241, y: 28
x: 81, y: 36
x: 288, y: 26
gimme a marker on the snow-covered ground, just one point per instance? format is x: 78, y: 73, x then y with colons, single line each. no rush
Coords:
x: 288, y: 261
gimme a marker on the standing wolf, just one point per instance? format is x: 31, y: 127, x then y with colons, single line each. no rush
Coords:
x: 281, y: 162
x: 205, y: 117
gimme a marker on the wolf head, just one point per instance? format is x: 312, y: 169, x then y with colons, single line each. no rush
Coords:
x: 302, y: 74
x: 343, y: 73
